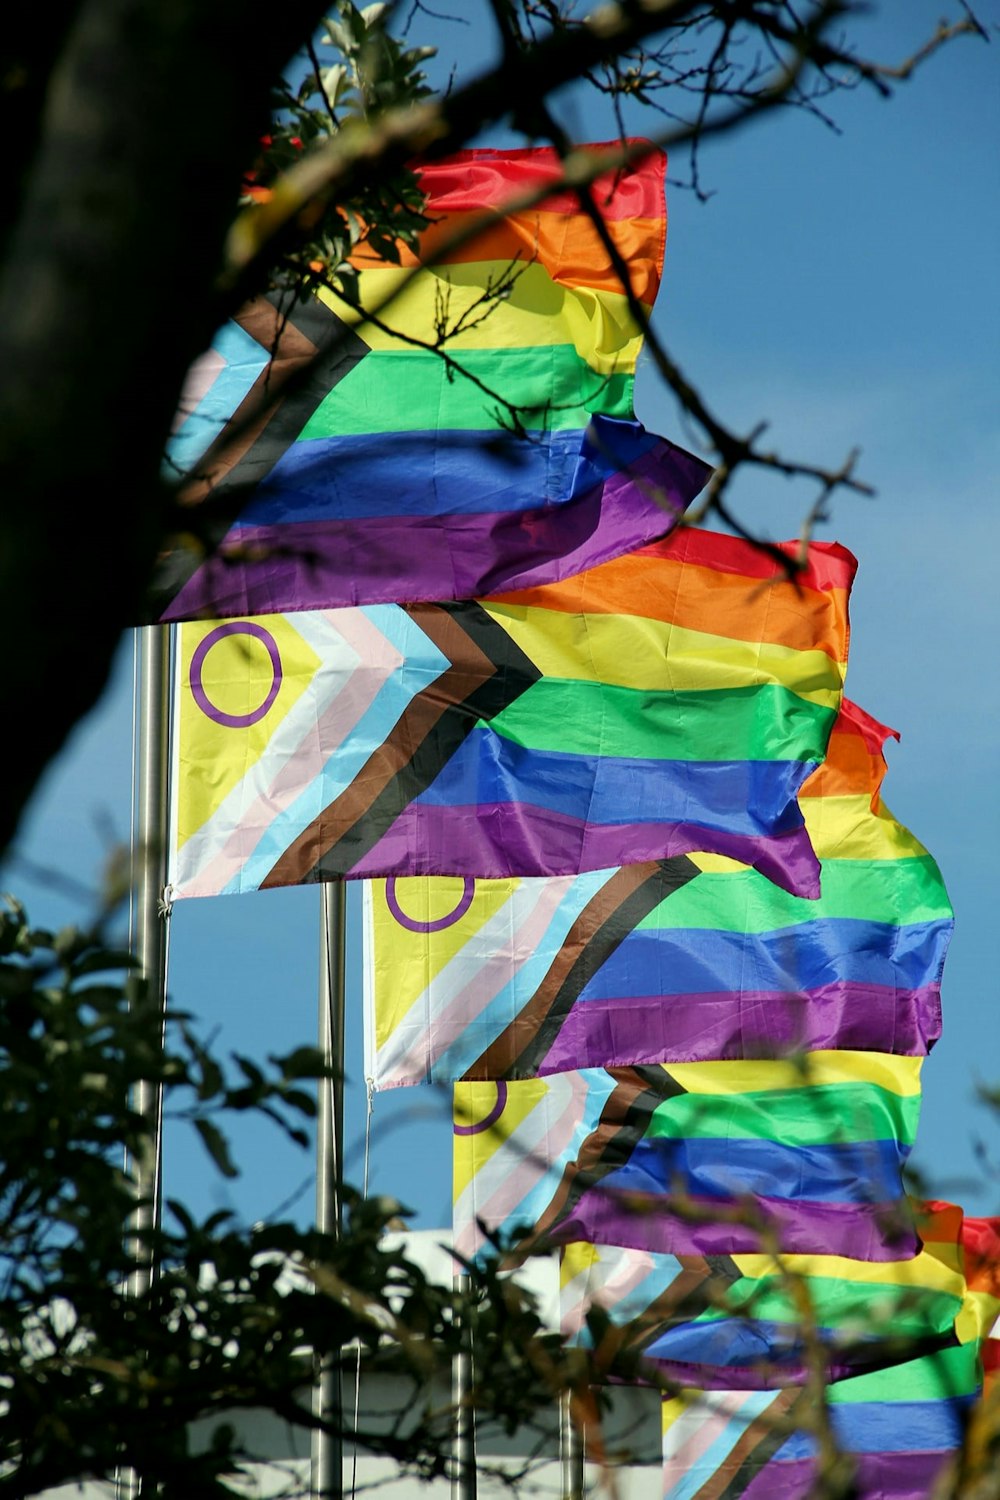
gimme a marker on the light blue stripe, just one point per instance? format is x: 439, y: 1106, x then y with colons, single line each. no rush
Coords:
x: 529, y: 1209
x: 717, y: 1452
x: 504, y: 1006
x: 637, y: 1302
x: 422, y: 664
x: 244, y: 361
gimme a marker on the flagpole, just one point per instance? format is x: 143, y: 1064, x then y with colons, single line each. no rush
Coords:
x: 463, y: 1481
x: 150, y: 951
x: 570, y: 1451
x: 327, y: 1447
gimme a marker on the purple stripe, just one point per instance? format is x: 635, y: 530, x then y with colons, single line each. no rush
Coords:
x: 881, y: 1476
x: 496, y: 840
x: 627, y: 1031
x: 399, y: 560
x: 862, y: 1231
x: 758, y: 1377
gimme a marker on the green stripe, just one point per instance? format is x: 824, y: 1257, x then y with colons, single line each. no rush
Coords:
x: 953, y: 1372
x: 873, y: 890
x: 591, y: 718
x: 410, y: 392
x: 906, y: 1311
x: 827, y: 1114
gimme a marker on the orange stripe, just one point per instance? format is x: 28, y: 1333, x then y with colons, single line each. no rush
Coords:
x: 741, y: 609
x: 566, y: 245
x: 849, y: 769
x: 854, y: 761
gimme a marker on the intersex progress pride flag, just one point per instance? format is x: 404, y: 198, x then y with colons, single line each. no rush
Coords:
x: 694, y: 1158
x: 673, y: 699
x: 690, y: 959
x: 736, y: 1321
x: 465, y: 425
x: 900, y: 1424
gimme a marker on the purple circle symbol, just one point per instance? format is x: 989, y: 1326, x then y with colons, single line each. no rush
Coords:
x: 208, y: 708
x: 489, y: 1119
x: 440, y: 923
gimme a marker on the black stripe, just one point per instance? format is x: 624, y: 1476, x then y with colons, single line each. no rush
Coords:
x: 514, y: 674
x: 338, y: 351
x: 634, y: 1125
x: 671, y: 875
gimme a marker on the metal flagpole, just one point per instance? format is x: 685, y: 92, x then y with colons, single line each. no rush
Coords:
x: 463, y: 1482
x: 327, y: 1447
x: 151, y: 952
x: 570, y: 1451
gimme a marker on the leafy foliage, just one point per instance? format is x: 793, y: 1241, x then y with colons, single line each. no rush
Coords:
x: 373, y: 71
x: 94, y: 1374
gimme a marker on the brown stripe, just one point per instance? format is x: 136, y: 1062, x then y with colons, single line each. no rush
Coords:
x: 502, y: 1053
x: 624, y: 1121
x: 618, y: 1351
x: 291, y: 351
x: 755, y: 1449
x: 470, y: 668
x: 702, y: 1284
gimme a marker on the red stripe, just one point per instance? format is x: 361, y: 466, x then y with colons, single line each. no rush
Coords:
x: 488, y: 178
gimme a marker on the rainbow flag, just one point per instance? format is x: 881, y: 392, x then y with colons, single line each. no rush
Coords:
x: 901, y: 1425
x: 735, y: 1321
x: 385, y: 473
x: 686, y: 960
x: 673, y: 699
x: 693, y: 1158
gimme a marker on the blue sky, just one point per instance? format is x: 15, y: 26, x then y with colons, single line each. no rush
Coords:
x: 842, y: 286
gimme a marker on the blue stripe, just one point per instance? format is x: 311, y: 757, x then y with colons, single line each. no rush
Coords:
x: 743, y: 797
x: 856, y: 1172
x: 734, y: 1343
x: 688, y: 961
x: 356, y: 476
x: 633, y: 1303
x: 889, y: 1427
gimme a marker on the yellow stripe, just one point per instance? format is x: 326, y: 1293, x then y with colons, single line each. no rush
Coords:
x: 978, y: 1315
x: 717, y: 864
x: 578, y: 1259
x: 585, y: 647
x: 939, y: 1270
x: 846, y: 828
x: 473, y: 1102
x: 675, y: 1408
x: 406, y: 962
x: 536, y: 311
x: 236, y: 676
x: 899, y: 1075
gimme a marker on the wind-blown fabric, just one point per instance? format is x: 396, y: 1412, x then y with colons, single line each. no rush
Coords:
x: 692, y: 959
x: 693, y: 1158
x: 901, y: 1425
x: 736, y: 1321
x: 470, y: 429
x: 673, y: 699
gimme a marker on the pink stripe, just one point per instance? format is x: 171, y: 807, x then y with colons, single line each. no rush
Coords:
x: 710, y: 1429
x: 532, y: 1166
x: 378, y: 659
x: 485, y: 982
x: 197, y: 383
x: 630, y: 1268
